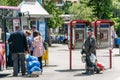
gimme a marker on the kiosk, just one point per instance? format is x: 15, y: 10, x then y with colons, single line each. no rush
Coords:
x: 79, y: 28
x: 104, y: 33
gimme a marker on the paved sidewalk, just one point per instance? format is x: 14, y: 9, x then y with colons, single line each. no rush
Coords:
x: 58, y: 67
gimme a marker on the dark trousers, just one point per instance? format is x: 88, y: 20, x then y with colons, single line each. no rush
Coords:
x: 9, y: 60
x: 18, y: 57
x: 40, y: 60
x: 88, y: 62
x: 0, y: 65
x: 31, y: 53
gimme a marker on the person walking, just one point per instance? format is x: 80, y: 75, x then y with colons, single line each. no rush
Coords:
x: 89, y: 48
x: 18, y: 48
x: 34, y: 29
x: 29, y: 41
x: 38, y: 47
x: 9, y: 55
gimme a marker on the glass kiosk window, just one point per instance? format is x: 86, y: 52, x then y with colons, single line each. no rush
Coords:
x: 79, y: 32
x: 104, y: 32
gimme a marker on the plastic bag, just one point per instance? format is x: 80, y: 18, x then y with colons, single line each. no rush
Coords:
x: 93, y: 58
x: 31, y: 58
x: 35, y: 68
x: 83, y: 58
x: 31, y: 64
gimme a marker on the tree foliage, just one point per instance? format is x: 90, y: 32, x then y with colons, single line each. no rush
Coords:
x: 3, y: 2
x: 13, y: 2
x: 66, y: 6
x: 10, y: 2
x: 101, y: 8
x: 55, y: 12
x: 81, y: 11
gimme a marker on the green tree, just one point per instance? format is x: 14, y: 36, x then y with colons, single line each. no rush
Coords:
x: 55, y: 20
x: 13, y: 2
x: 101, y: 8
x: 66, y: 6
x: 3, y: 2
x: 81, y: 11
x: 55, y: 12
x: 116, y: 15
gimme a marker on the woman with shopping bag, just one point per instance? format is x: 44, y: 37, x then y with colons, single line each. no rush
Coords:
x: 38, y: 47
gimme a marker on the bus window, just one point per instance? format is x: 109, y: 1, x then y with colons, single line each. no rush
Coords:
x: 7, y: 15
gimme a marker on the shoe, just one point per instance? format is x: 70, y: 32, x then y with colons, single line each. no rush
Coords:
x: 15, y: 75
x: 23, y: 74
x: 92, y: 72
x: 86, y: 73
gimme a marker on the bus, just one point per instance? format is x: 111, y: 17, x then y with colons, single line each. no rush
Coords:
x: 9, y: 18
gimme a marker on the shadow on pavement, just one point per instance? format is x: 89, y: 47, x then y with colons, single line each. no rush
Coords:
x: 53, y: 46
x: 4, y: 75
x: 68, y: 70
x: 116, y: 55
x: 50, y: 65
x: 81, y: 74
x: 63, y: 50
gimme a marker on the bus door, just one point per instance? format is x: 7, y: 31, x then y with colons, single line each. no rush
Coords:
x: 8, y: 14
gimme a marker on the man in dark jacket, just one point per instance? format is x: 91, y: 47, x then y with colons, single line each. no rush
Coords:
x: 90, y: 48
x: 18, y: 48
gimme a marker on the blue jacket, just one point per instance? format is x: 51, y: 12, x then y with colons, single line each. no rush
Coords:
x: 18, y: 42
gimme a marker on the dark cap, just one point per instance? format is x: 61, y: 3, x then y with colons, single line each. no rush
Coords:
x: 34, y: 27
x: 17, y: 26
x: 90, y: 30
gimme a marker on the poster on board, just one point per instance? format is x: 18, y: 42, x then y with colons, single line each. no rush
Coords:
x: 16, y: 22
x: 42, y: 29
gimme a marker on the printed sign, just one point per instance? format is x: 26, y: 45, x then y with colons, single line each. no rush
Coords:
x: 42, y: 29
x: 16, y: 22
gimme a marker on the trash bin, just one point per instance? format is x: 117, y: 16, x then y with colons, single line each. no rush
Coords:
x: 115, y: 43
x: 118, y: 41
x: 45, y: 55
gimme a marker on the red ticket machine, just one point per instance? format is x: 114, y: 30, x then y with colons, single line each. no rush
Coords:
x: 104, y: 33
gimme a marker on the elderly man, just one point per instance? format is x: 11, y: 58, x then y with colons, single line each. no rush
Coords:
x: 90, y: 48
x: 18, y: 48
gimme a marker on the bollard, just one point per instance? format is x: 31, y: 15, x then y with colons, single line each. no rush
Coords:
x: 110, y: 51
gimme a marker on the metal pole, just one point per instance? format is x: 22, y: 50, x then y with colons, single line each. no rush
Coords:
x: 70, y: 45
x: 110, y: 51
x: 4, y: 28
